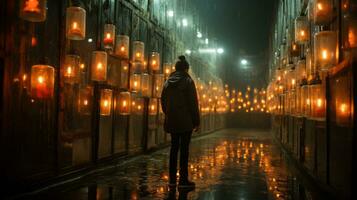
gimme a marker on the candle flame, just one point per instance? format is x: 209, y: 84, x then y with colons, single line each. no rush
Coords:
x: 32, y: 6
x: 135, y: 84
x: 302, y: 33
x: 139, y: 107
x: 122, y: 49
x: 125, y: 68
x: 324, y: 54
x: 154, y: 62
x: 99, y: 66
x: 40, y: 79
x: 138, y: 55
x: 343, y: 108
x: 106, y: 103
x: 108, y: 35
x: 167, y: 71
x: 85, y: 102
x: 69, y: 71
x: 320, y: 6
x: 24, y: 77
x: 82, y: 66
x: 74, y: 25
x: 319, y: 103
x: 125, y: 103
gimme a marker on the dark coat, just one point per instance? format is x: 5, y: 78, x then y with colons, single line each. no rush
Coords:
x: 180, y: 104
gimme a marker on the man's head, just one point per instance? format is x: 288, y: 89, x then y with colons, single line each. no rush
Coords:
x: 182, y: 64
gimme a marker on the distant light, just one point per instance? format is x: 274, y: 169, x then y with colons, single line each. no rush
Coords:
x: 184, y: 22
x: 220, y: 50
x: 170, y: 13
x: 207, y: 51
x: 188, y: 52
x: 206, y: 41
x: 90, y: 40
x: 244, y: 62
x: 199, y: 34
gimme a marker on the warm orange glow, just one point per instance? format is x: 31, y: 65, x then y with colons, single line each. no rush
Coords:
x: 82, y: 66
x: 99, y: 66
x: 108, y: 36
x: 343, y: 108
x: 106, y: 103
x: 24, y: 77
x: 32, y: 6
x: 302, y: 33
x: 138, y: 55
x: 320, y: 6
x: 352, y: 39
x: 40, y: 79
x: 74, y: 25
x: 324, y: 54
x: 125, y: 103
x: 319, y: 103
x: 69, y: 71
x: 122, y: 48
x: 33, y: 41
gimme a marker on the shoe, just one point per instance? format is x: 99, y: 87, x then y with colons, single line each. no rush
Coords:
x: 186, y: 184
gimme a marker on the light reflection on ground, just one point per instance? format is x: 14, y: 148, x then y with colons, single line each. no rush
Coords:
x: 230, y: 164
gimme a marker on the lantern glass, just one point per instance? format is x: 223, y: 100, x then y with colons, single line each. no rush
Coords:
x: 109, y: 36
x: 325, y: 50
x: 106, y: 97
x: 124, y: 103
x: 71, y: 69
x: 124, y: 74
x: 137, y: 105
x: 291, y: 79
x: 76, y: 23
x: 342, y: 97
x: 99, y: 66
x: 146, y: 86
x: 294, y: 49
x: 85, y: 100
x: 135, y: 82
x: 155, y: 61
x: 310, y: 69
x: 302, y: 30
x: 318, y: 101
x: 167, y: 69
x: 300, y: 72
x: 33, y: 10
x: 305, y: 101
x: 122, y: 46
x: 158, y: 85
x: 138, y: 51
x: 42, y: 81
x: 137, y: 68
x: 322, y: 11
x: 153, y: 103
x: 298, y: 101
x: 351, y: 33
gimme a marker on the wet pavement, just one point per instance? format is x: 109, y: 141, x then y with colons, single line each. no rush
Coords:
x: 229, y: 164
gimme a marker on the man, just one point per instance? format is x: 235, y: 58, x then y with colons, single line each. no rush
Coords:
x: 180, y: 105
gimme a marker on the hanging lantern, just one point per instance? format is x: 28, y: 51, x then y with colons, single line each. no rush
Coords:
x: 300, y: 72
x: 135, y: 82
x: 153, y: 103
x: 109, y: 36
x: 106, y: 97
x: 33, y: 10
x: 318, y: 100
x: 137, y: 105
x: 71, y: 69
x: 146, y: 88
x: 124, y: 74
x: 138, y: 51
x: 291, y: 79
x: 342, y: 89
x: 124, y: 103
x: 326, y: 50
x: 76, y: 23
x: 305, y: 101
x: 155, y: 61
x: 85, y: 100
x: 322, y: 11
x: 42, y: 81
x: 122, y: 46
x: 294, y: 50
x: 158, y: 85
x: 351, y: 31
x: 99, y: 66
x: 167, y: 69
x: 302, y: 30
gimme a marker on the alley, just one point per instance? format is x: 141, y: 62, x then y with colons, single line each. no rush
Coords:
x: 228, y: 164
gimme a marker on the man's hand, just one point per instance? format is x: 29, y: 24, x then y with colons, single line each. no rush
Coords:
x: 196, y: 129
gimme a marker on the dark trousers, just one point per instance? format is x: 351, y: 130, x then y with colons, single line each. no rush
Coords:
x: 179, y: 141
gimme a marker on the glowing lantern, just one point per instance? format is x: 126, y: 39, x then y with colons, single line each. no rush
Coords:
x: 294, y: 50
x: 155, y: 61
x: 305, y: 101
x: 137, y: 68
x: 71, y: 69
x: 343, y: 101
x: 158, y: 85
x: 351, y: 31
x: 291, y: 79
x: 122, y: 46
x: 124, y: 74
x: 85, y: 100
x: 322, y: 11
x: 109, y: 36
x: 135, y: 82
x: 326, y: 50
x: 153, y: 103
x: 33, y: 10
x: 99, y: 66
x: 146, y: 86
x: 318, y: 100
x: 106, y: 97
x: 124, y: 103
x: 300, y: 72
x: 76, y: 23
x: 302, y: 30
x: 310, y: 69
x: 167, y: 69
x: 138, y: 51
x: 42, y: 81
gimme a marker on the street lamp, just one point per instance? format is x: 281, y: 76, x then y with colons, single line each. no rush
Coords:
x: 170, y: 13
x: 184, y: 22
x: 244, y: 62
x: 220, y: 50
x: 199, y: 34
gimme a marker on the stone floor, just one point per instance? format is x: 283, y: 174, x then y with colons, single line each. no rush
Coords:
x: 229, y: 164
